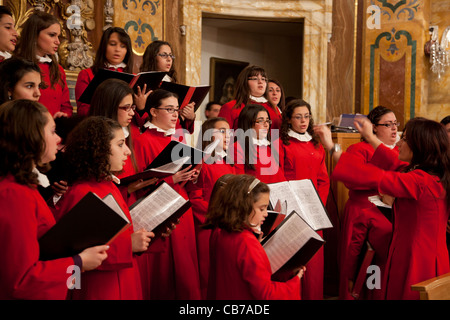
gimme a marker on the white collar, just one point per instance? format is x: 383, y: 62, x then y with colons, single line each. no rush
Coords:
x: 115, y: 179
x: 258, y: 99
x: 5, y: 54
x: 42, y: 178
x: 44, y: 59
x: 126, y: 131
x: 222, y: 154
x: 300, y: 137
x: 167, y: 78
x: 261, y: 143
x: 393, y: 145
x: 115, y: 66
x: 150, y: 125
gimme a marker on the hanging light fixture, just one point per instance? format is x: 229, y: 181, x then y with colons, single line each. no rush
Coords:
x: 439, y: 55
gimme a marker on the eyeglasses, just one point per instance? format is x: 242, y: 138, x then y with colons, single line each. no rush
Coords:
x: 128, y: 108
x: 170, y: 110
x: 389, y: 125
x: 257, y: 78
x: 166, y: 55
x: 300, y: 117
x: 262, y: 121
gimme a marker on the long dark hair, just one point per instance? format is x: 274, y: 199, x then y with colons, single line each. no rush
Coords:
x: 105, y: 102
x: 12, y: 71
x: 26, y: 46
x: 88, y: 148
x: 22, y: 139
x: 246, y: 121
x: 429, y: 144
x: 149, y: 58
x: 287, y: 115
x: 100, y: 57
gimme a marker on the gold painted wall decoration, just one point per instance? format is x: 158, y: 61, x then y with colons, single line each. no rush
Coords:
x: 142, y: 20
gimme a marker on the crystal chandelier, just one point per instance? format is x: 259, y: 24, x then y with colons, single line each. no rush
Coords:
x: 439, y: 55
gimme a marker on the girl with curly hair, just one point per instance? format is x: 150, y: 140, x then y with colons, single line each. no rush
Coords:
x: 28, y: 139
x: 95, y: 150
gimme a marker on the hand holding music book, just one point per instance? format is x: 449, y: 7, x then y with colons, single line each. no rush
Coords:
x: 158, y: 210
x: 187, y: 94
x: 161, y: 172
x: 91, y: 222
x: 290, y: 246
x: 302, y: 197
x: 151, y: 78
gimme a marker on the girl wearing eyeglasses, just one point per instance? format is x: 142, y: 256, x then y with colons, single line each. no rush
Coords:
x: 158, y: 56
x: 250, y: 88
x: 173, y: 273
x: 39, y: 42
x: 418, y: 177
x: 303, y: 157
x: 254, y: 151
x: 379, y: 117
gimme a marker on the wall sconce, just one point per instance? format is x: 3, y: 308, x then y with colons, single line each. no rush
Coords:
x: 439, y: 55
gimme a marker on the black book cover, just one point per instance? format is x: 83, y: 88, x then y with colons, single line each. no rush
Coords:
x: 187, y: 94
x: 89, y: 223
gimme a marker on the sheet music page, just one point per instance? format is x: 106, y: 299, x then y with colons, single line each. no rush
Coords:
x: 172, y: 167
x: 283, y: 192
x: 112, y: 203
x: 289, y: 238
x: 310, y: 204
x: 156, y: 208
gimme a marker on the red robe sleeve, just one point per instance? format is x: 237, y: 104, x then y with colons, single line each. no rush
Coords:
x: 255, y: 270
x: 24, y: 218
x: 84, y: 78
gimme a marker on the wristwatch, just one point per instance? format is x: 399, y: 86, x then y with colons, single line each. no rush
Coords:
x: 336, y: 148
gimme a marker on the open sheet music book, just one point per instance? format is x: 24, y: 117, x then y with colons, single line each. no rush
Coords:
x: 301, y: 196
x: 158, y: 210
x: 187, y: 94
x: 274, y: 218
x: 163, y: 171
x: 91, y: 222
x: 291, y: 245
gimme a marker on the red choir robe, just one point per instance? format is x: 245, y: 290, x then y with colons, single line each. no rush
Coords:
x: 199, y: 195
x: 173, y: 273
x: 418, y: 250
x: 57, y: 98
x: 24, y: 218
x: 302, y: 160
x: 231, y: 114
x: 267, y: 167
x: 118, y: 276
x: 240, y: 270
x: 373, y: 226
x: 357, y: 201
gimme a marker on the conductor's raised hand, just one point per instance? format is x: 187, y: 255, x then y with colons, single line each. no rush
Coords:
x: 93, y: 257
x: 324, y: 134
